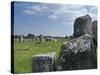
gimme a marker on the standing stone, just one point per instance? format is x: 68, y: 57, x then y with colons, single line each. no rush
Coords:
x: 94, y: 29
x: 21, y: 39
x: 41, y: 38
x: 83, y: 25
x: 37, y: 39
x: 43, y: 62
x: 49, y: 38
x: 78, y: 53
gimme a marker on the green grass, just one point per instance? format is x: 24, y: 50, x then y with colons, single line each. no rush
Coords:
x: 23, y: 57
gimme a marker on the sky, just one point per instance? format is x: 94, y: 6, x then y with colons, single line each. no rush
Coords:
x: 48, y: 19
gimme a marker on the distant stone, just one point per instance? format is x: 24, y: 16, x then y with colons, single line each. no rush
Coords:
x: 48, y: 38
x: 43, y: 62
x: 41, y: 38
x: 78, y: 53
x: 37, y: 39
x: 83, y: 25
x: 21, y: 38
x: 94, y: 29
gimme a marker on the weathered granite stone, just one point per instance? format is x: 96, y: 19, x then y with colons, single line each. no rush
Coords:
x: 94, y: 29
x: 43, y: 62
x: 78, y: 53
x: 83, y: 25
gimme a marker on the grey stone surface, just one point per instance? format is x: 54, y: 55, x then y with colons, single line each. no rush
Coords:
x: 43, y: 62
x: 78, y: 53
x: 83, y: 25
x: 94, y: 29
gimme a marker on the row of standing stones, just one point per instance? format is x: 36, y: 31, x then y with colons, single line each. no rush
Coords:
x: 75, y: 54
x: 39, y: 39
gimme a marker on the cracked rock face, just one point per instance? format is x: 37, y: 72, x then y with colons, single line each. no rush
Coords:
x: 43, y: 62
x: 83, y: 25
x: 78, y: 53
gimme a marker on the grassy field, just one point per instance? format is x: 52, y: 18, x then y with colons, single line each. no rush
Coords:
x: 23, y: 53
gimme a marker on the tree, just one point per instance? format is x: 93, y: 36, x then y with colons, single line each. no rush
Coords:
x: 30, y: 35
x: 66, y: 37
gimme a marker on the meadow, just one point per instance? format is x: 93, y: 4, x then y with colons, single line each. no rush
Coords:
x: 23, y: 53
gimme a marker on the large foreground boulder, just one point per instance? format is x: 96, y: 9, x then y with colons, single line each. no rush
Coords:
x: 43, y: 62
x: 83, y: 25
x: 78, y: 53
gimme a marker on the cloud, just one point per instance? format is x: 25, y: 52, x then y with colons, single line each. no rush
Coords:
x: 30, y: 12
x: 37, y: 9
x: 54, y: 17
x: 93, y: 13
x: 61, y: 11
x: 93, y: 10
x: 70, y: 12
